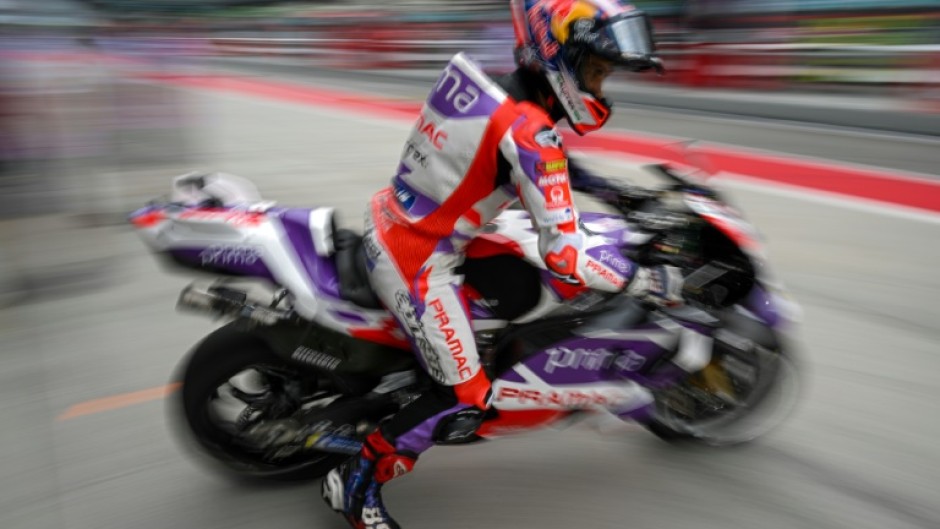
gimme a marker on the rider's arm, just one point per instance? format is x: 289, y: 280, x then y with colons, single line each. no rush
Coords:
x: 540, y: 175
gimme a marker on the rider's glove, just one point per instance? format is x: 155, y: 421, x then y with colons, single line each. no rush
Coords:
x: 660, y: 284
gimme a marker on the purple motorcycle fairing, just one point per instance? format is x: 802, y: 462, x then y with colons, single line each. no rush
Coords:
x: 239, y: 261
x: 580, y: 360
x: 248, y: 261
x: 478, y: 311
x: 321, y: 270
x: 607, y: 224
x: 761, y: 303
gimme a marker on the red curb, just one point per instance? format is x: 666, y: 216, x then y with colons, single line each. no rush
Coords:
x: 832, y: 178
x: 872, y: 184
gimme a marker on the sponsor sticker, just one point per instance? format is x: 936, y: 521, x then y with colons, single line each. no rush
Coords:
x: 605, y: 274
x: 540, y: 32
x: 523, y: 397
x: 406, y: 311
x: 558, y: 216
x: 460, y: 90
x: 451, y: 338
x: 373, y: 250
x: 430, y: 130
x: 557, y: 197
x: 556, y: 179
x: 413, y: 153
x: 615, y: 261
x: 405, y: 197
x: 548, y: 138
x: 584, y: 31
x: 588, y: 359
x: 553, y: 166
x: 229, y: 256
x: 592, y: 359
x: 572, y: 103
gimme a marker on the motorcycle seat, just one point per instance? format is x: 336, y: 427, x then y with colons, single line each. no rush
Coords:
x: 352, y: 270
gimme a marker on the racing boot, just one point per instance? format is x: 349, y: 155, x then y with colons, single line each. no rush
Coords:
x: 354, y: 489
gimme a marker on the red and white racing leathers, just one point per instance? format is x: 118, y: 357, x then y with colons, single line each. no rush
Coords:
x: 472, y: 152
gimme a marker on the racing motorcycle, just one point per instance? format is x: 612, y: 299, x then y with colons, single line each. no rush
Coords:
x: 308, y: 361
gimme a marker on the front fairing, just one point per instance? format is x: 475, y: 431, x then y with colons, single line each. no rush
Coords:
x: 770, y: 303
x: 730, y: 222
x: 768, y: 300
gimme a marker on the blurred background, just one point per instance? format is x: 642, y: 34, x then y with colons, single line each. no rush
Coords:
x: 100, y: 105
x: 78, y: 123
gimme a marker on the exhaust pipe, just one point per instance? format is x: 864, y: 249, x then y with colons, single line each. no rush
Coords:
x: 224, y: 301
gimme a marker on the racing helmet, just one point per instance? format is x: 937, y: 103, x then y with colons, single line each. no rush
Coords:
x: 554, y: 38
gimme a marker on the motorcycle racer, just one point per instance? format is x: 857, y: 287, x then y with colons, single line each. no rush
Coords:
x: 477, y: 146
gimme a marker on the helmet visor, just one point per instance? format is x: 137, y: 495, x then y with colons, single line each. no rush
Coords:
x: 628, y: 41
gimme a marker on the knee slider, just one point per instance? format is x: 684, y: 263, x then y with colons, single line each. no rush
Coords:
x: 459, y: 427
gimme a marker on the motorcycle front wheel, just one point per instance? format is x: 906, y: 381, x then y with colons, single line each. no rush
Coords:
x: 746, y: 390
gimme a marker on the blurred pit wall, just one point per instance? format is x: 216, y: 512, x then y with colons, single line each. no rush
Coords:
x: 82, y: 143
x: 855, y: 47
x: 896, y: 71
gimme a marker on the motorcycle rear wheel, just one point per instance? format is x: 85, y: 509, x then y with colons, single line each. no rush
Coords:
x: 203, y: 375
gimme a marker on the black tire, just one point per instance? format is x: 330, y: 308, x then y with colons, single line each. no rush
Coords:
x: 669, y: 435
x: 770, y: 397
x: 209, y: 365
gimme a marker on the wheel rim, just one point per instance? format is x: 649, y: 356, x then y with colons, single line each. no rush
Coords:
x: 691, y: 408
x: 225, y: 422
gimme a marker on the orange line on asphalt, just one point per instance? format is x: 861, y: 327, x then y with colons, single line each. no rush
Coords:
x: 115, y: 402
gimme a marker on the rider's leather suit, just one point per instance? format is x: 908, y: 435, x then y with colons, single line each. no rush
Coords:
x: 473, y: 151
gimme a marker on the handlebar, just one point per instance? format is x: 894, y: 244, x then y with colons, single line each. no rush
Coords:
x: 628, y: 199
x: 717, y: 274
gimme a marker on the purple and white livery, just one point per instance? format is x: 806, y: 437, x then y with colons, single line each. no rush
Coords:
x: 311, y: 360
